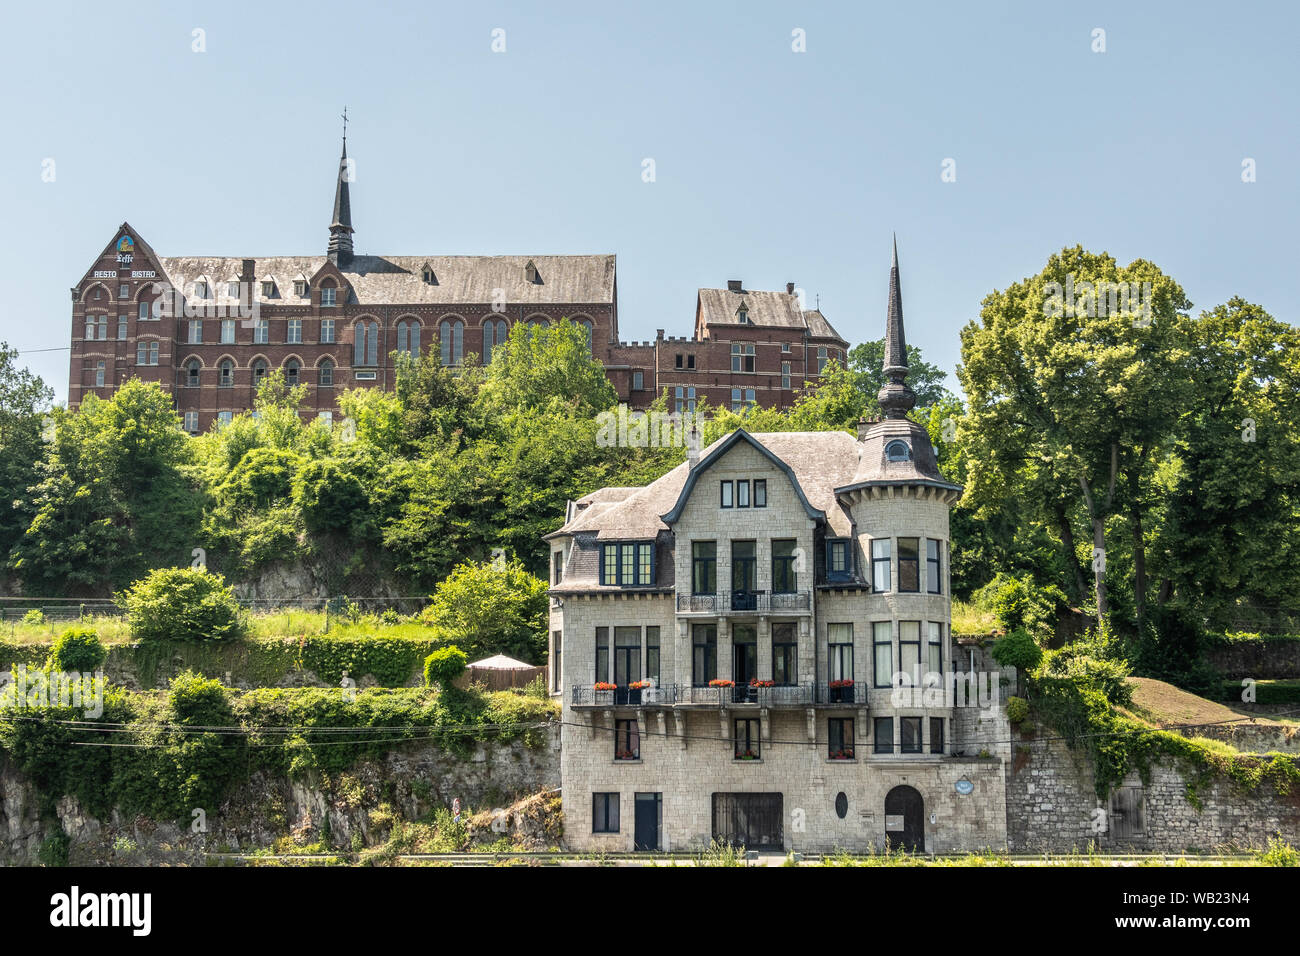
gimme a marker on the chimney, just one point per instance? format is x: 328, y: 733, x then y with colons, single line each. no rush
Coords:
x: 863, y: 427
x: 659, y: 334
x: 249, y: 271
x: 692, y: 446
x: 734, y: 285
x: 789, y: 288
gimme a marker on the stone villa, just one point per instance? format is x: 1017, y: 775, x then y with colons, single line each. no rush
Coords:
x: 751, y: 647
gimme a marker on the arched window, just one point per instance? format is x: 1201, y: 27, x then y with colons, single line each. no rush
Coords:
x: 227, y: 372
x: 365, y: 344
x: 291, y: 369
x: 408, y: 336
x: 259, y: 371
x: 192, y: 373
x: 99, y: 374
x: 898, y: 451
x: 494, y: 334
x: 326, y: 376
x: 451, y: 341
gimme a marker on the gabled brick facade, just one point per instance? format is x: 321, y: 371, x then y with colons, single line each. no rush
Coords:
x: 206, y: 328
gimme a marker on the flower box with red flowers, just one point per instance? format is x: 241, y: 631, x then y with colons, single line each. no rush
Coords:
x: 747, y: 755
x: 719, y: 682
x: 627, y: 755
x: 842, y: 754
x: 638, y: 685
x: 841, y: 691
x: 762, y: 683
x: 603, y: 685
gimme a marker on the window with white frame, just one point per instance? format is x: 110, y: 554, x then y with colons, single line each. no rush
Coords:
x: 196, y: 332
x: 227, y: 331
x: 293, y: 334
x: 192, y: 422
x: 326, y: 331
x: 880, y: 559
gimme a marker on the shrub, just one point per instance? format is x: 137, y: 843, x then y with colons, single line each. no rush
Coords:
x: 35, y: 617
x: 1017, y: 709
x: 1019, y: 650
x: 444, y: 665
x: 1108, y: 676
x: 1279, y: 853
x: 182, y: 604
x: 1020, y: 603
x: 77, y: 649
x: 199, y: 701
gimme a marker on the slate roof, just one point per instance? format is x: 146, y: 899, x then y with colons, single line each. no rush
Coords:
x: 821, y: 462
x: 765, y: 309
x: 398, y: 280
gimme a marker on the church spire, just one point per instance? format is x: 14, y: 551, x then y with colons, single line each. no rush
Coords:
x: 340, y: 246
x: 896, y: 399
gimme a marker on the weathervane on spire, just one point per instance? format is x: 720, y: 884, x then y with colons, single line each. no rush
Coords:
x: 345, y: 124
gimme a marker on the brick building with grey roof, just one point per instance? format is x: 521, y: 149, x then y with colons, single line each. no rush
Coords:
x: 208, y: 328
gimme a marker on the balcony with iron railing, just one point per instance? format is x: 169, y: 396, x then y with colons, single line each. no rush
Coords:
x: 722, y: 694
x: 745, y: 603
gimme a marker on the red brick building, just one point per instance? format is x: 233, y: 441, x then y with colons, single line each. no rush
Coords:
x: 209, y: 328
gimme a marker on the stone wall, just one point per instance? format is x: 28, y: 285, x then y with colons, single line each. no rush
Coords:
x: 1263, y: 659
x: 1052, y: 807
x: 406, y: 784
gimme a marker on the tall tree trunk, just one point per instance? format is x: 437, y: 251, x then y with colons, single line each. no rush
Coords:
x: 1097, y: 511
x: 1063, y: 528
x: 1139, y: 567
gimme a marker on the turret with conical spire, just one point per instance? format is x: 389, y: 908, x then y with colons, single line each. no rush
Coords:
x: 896, y: 399
x: 340, y: 247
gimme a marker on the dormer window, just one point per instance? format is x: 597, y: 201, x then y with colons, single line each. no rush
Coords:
x: 232, y: 288
x: 427, y: 275
x: 300, y: 288
x: 268, y: 288
x: 328, y: 296
x: 627, y: 564
x: 839, y: 560
x: 531, y: 274
x: 742, y: 314
x: 200, y: 290
x: 898, y: 451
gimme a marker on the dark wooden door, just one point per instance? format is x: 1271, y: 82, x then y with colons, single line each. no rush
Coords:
x: 646, y: 834
x: 751, y: 820
x: 905, y: 819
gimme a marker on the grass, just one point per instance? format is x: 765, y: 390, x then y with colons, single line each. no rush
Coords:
x: 112, y: 629
x: 971, y: 619
x: 1162, y: 704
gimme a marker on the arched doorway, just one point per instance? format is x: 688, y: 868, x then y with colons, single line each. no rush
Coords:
x: 905, y: 819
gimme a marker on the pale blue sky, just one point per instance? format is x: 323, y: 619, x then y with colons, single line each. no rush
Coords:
x: 772, y: 166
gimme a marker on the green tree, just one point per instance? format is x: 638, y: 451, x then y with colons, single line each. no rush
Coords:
x: 491, y: 609
x: 113, y: 498
x: 23, y: 396
x: 866, y: 362
x: 1073, y: 403
x: 1230, y: 547
x: 539, y: 363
